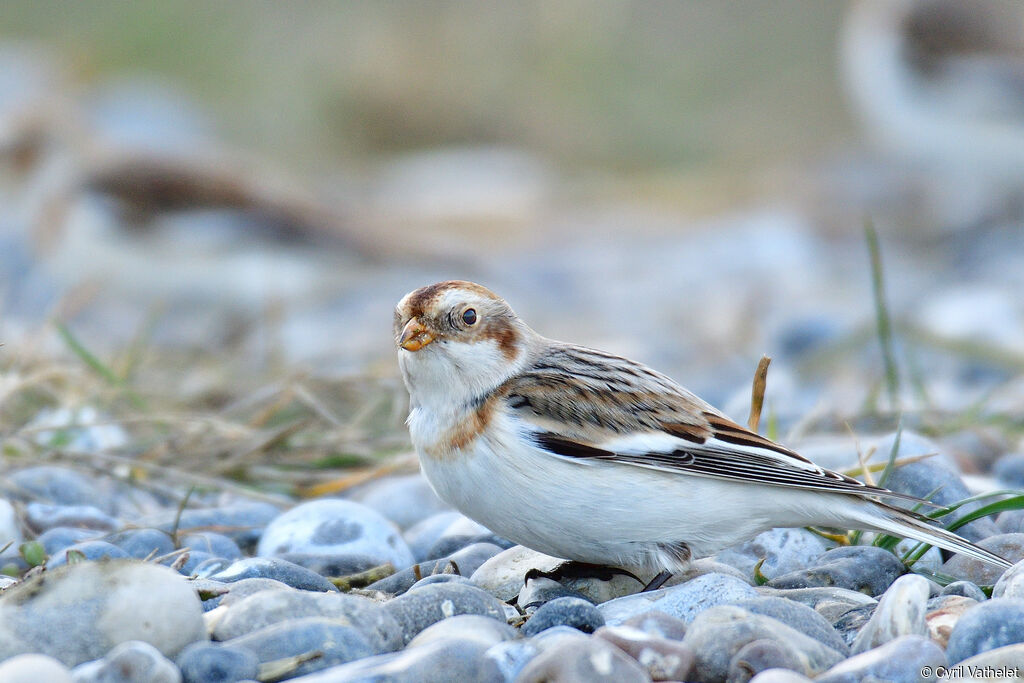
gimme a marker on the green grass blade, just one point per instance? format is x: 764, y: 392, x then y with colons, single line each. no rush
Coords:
x: 86, y: 356
x: 882, y: 318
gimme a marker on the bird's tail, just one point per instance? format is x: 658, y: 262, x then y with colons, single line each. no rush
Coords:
x: 901, y: 523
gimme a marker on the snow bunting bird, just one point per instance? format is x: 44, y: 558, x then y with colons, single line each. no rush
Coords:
x: 591, y: 457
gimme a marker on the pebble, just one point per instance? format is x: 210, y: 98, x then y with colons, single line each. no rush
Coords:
x: 130, y: 662
x: 780, y: 676
x: 210, y: 566
x: 582, y: 661
x: 762, y: 655
x: 332, y: 565
x: 80, y: 612
x: 783, y: 551
x: 1010, y: 546
x: 267, y: 607
x: 427, y: 533
x: 850, y: 623
x: 59, y: 486
x: 866, y: 569
x: 1008, y: 660
x: 1009, y: 470
x: 719, y: 633
x: 336, y: 527
x: 58, y: 538
x: 971, y: 590
x: 446, y: 545
x: 10, y: 530
x: 462, y: 562
x: 405, y: 500
x: 705, y: 565
x: 900, y: 612
x: 684, y: 602
x: 469, y: 627
x: 568, y: 611
x: 664, y: 659
x: 143, y: 543
x: 418, y: 609
x: 206, y: 662
x: 43, y: 516
x: 658, y: 624
x: 986, y: 626
x: 91, y: 550
x: 34, y: 668
x: 273, y: 568
x: 797, y: 616
x: 239, y: 590
x: 538, y: 591
x: 943, y: 614
x: 1010, y: 584
x: 1011, y: 521
x: 442, y: 660
x: 511, y: 657
x: 216, y: 544
x: 831, y: 603
x: 244, y: 523
x: 898, y: 661
x: 336, y: 642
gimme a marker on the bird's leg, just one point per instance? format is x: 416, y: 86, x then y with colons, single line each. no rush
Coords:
x: 579, y: 570
x: 658, y: 581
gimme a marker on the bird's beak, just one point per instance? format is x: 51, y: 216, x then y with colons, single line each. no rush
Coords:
x: 415, y: 336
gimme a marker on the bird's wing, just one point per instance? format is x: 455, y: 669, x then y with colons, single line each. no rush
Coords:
x: 596, y: 407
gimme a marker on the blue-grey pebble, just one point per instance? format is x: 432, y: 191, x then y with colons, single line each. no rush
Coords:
x: 59, y: 486
x: 850, y: 623
x: 778, y: 550
x: 405, y: 499
x: 965, y: 588
x: 899, y: 661
x: 986, y: 626
x: 466, y: 626
x: 212, y: 543
x: 443, y: 661
x: 1009, y: 470
x: 1011, y: 521
x: 441, y: 578
x: 43, y: 516
x: 206, y: 662
x: 1009, y: 546
x: 462, y: 562
x: 684, y: 601
x: 866, y: 569
x: 92, y: 550
x: 511, y: 656
x: 581, y: 660
x: 341, y: 564
x: 762, y: 655
x: 447, y: 545
x: 658, y: 624
x: 422, y: 536
x: 130, y: 662
x: 568, y: 611
x: 56, y: 539
x: 274, y: 568
x: 337, y: 643
x: 142, y: 543
x: 240, y: 590
x: 418, y: 609
x: 210, y: 566
x: 194, y: 560
x: 799, y: 617
x: 244, y: 523
x: 540, y: 590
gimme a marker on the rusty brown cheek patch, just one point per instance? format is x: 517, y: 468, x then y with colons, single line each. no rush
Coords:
x: 462, y: 435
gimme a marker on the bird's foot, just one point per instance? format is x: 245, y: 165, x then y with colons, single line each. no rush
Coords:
x: 580, y: 570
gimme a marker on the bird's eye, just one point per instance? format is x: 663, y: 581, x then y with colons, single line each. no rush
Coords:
x: 469, y: 316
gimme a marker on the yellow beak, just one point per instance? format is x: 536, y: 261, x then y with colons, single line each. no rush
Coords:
x: 415, y: 336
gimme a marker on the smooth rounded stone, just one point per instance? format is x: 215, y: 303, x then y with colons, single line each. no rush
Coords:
x: 43, y: 516
x: 899, y: 661
x: 1009, y: 470
x: 337, y: 643
x: 336, y: 527
x: 210, y: 566
x: 900, y: 612
x: 423, y: 536
x: 987, y: 667
x: 705, y: 565
x: 540, y: 590
x: 468, y: 627
x: 273, y: 568
x: 780, y: 676
x: 207, y: 662
x: 986, y: 626
x: 850, y: 623
x: 931, y: 561
x: 441, y: 661
x: 209, y: 592
x: 91, y: 550
x: 971, y: 590
x: 80, y: 612
x: 1010, y: 584
x: 1009, y: 546
x: 664, y: 659
x: 244, y: 523
x: 7, y: 581
x: 867, y: 569
x: 762, y: 655
x: 58, y: 538
x: 684, y: 602
x: 143, y: 543
x: 783, y: 551
x: 831, y: 603
x: 581, y: 661
x: 797, y: 616
x: 34, y: 668
x: 268, y: 607
x: 575, y: 612
x: 130, y: 662
x: 332, y: 565
x: 217, y: 545
x: 418, y: 609
x: 59, y: 486
x: 658, y: 624
x: 405, y: 500
x: 511, y: 657
x: 449, y: 544
x: 1011, y: 521
x: 240, y: 590
x: 462, y: 563
x: 441, y: 578
x: 718, y: 633
x: 193, y: 559
x: 943, y: 613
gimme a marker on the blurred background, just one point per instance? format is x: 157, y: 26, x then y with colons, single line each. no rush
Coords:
x: 199, y: 200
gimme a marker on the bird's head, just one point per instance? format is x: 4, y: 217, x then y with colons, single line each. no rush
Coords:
x: 457, y: 340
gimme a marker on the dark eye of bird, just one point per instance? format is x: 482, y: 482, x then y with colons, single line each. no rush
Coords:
x: 469, y: 316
